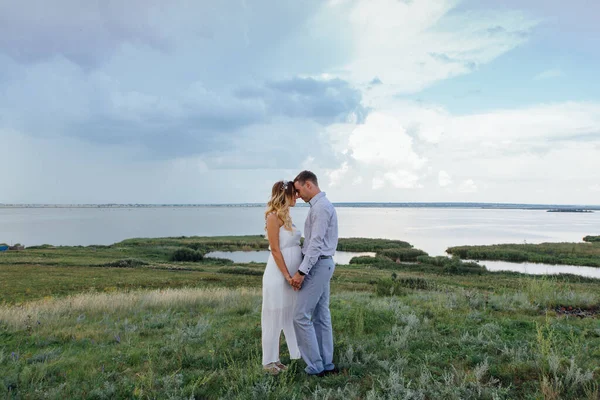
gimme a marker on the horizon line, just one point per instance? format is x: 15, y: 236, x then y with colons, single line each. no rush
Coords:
x: 340, y: 203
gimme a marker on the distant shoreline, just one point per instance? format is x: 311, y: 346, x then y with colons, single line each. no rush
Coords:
x: 497, y: 206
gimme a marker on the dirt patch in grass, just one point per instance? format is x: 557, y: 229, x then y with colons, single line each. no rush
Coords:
x: 581, y: 312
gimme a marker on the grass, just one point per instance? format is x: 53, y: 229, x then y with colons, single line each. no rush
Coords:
x: 124, y: 321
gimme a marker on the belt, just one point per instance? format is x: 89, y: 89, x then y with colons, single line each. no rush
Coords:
x: 324, y: 257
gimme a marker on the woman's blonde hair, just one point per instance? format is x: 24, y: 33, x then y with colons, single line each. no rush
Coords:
x: 281, y: 199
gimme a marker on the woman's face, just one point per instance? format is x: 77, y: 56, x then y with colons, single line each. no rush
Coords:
x: 292, y: 199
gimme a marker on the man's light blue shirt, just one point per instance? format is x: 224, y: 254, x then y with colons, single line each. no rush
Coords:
x: 320, y: 232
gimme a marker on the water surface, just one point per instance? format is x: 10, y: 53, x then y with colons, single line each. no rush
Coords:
x: 540, y: 269
x: 430, y: 229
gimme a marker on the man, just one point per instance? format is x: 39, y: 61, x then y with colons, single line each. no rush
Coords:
x: 312, y: 319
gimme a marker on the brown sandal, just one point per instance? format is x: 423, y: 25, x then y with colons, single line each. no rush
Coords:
x: 282, y: 367
x: 271, y: 369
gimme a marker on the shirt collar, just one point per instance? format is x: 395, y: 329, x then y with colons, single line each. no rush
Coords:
x: 316, y: 198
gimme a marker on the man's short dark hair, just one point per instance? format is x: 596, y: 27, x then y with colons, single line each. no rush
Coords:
x: 306, y: 176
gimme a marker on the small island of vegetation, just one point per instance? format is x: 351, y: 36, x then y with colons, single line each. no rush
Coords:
x: 570, y: 210
x: 583, y: 254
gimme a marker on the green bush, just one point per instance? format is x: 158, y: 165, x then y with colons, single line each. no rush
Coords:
x: 362, y: 260
x: 126, y: 263
x: 397, y: 286
x: 41, y: 246
x: 462, y: 268
x: 452, y: 265
x: 217, y: 261
x: 362, y: 244
x: 438, y: 261
x: 375, y: 262
x: 201, y: 247
x: 187, y: 254
x: 389, y: 287
x: 240, y: 271
x: 413, y: 282
x: 402, y: 254
x: 591, y: 239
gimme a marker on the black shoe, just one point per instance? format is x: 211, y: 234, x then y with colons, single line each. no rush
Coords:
x: 333, y: 371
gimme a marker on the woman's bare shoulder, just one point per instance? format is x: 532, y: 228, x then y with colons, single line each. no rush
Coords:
x: 272, y: 218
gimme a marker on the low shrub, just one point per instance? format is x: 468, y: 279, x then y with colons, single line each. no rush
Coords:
x: 402, y: 254
x: 375, y: 262
x: 201, y: 247
x: 362, y: 260
x: 41, y: 246
x: 414, y: 283
x: 126, y: 263
x: 240, y: 271
x: 186, y: 254
x: 363, y: 244
x: 438, y: 261
x: 217, y: 261
x: 452, y: 265
x: 389, y: 287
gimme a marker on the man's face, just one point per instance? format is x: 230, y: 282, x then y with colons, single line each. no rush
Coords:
x: 302, y: 191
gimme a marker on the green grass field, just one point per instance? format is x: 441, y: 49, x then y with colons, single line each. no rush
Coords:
x: 125, y: 321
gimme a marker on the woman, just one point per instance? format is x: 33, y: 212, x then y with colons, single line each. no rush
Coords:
x: 279, y: 298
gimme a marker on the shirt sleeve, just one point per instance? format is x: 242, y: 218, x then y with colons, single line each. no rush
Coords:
x: 317, y: 235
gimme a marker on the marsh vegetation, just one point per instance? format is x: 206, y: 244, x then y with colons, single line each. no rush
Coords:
x: 129, y: 321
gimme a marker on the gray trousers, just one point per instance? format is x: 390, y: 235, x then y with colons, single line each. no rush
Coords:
x: 312, y: 319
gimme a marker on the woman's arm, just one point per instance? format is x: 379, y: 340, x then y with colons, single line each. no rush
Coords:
x: 273, y: 225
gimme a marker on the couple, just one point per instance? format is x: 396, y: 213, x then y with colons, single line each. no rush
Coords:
x: 296, y: 279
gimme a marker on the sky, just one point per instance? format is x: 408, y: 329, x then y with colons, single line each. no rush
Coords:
x: 200, y: 102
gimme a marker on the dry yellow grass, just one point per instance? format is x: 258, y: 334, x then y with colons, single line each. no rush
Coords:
x: 50, y: 309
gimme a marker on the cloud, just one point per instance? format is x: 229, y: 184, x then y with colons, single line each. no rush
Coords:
x: 382, y: 141
x: 411, y: 45
x: 86, y: 34
x: 549, y: 74
x: 190, y: 79
x: 104, y: 105
x: 324, y: 100
x: 402, y: 179
x: 444, y: 179
x: 501, y: 155
x: 336, y: 176
x: 467, y: 186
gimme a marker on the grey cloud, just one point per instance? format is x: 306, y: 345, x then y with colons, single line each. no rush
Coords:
x: 326, y: 101
x: 83, y: 32
x: 496, y: 30
x: 455, y: 59
x: 196, y: 129
x: 158, y: 80
x: 282, y: 144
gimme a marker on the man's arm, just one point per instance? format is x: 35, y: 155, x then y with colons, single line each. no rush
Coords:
x: 317, y: 236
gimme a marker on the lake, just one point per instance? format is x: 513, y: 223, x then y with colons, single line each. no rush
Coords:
x: 430, y: 229
x: 540, y: 269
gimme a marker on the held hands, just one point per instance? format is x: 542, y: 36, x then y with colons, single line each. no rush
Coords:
x: 296, y: 281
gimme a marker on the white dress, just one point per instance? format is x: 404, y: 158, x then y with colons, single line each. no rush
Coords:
x: 279, y: 299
